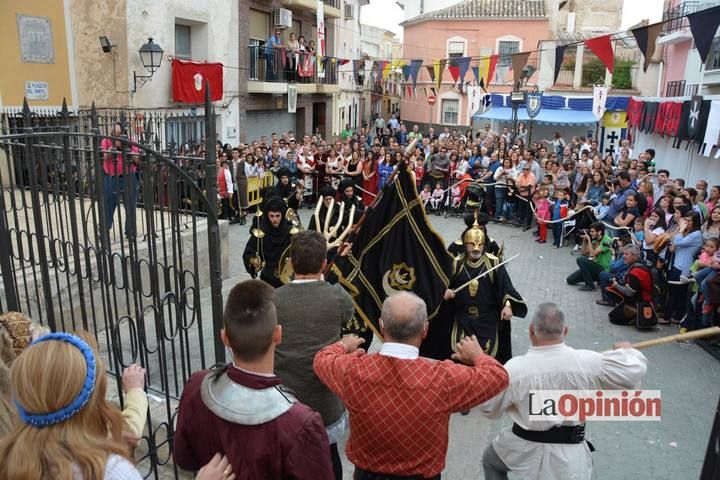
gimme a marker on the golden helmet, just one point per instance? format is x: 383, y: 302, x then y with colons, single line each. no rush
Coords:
x: 474, y: 235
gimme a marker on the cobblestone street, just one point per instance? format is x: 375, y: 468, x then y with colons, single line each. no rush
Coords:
x: 688, y: 377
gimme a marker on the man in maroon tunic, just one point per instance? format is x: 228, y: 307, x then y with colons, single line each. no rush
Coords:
x: 242, y: 409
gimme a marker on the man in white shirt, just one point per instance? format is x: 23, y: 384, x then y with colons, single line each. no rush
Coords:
x: 552, y: 365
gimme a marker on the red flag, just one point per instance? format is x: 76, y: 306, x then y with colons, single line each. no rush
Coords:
x: 188, y: 81
x: 602, y: 47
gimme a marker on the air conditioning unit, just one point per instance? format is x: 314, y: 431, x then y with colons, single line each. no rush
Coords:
x: 283, y: 18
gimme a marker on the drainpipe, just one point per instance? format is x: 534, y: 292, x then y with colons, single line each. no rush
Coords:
x: 661, y: 68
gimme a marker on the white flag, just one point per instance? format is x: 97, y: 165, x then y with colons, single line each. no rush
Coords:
x: 475, y: 96
x: 599, y: 99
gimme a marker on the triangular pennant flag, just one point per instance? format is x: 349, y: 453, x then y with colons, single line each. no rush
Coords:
x: 463, y: 63
x: 454, y: 73
x: 439, y: 67
x: 481, y: 83
x: 704, y: 25
x: 333, y: 61
x: 602, y: 48
x: 646, y: 37
x: 491, y: 70
x: 476, y: 73
x: 387, y: 68
x: 344, y: 61
x: 406, y: 72
x: 519, y: 60
x: 502, y: 71
x: 559, y: 55
x: 414, y: 70
x: 381, y: 70
x: 431, y: 72
x: 487, y: 67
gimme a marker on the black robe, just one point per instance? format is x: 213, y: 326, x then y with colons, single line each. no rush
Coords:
x: 475, y: 311
x: 270, y: 248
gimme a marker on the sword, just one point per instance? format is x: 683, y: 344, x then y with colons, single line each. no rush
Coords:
x: 485, y: 273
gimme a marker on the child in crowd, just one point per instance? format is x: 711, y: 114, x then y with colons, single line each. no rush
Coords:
x: 437, y: 196
x: 705, y: 268
x: 425, y: 195
x: 510, y: 200
x: 542, y: 211
x: 547, y: 182
x: 456, y: 196
x: 601, y: 210
x: 639, y: 233
x: 559, y: 211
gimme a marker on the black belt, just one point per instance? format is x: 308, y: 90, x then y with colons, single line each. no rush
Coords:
x: 565, y: 434
x: 361, y: 474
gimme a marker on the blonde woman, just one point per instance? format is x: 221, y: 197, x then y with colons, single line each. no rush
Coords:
x: 59, y: 386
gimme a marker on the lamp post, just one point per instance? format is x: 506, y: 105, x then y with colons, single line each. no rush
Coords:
x: 151, y: 56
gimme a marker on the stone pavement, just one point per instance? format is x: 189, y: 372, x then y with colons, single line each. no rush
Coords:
x: 688, y: 377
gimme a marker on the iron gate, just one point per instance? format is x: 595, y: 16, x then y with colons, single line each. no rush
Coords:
x: 144, y: 277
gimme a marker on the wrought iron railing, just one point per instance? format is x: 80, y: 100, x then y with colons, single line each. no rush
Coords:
x: 281, y: 65
x: 679, y: 88
x: 675, y: 18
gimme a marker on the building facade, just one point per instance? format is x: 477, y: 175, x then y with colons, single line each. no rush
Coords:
x: 349, y: 105
x: 475, y: 28
x: 36, y: 46
x: 263, y: 98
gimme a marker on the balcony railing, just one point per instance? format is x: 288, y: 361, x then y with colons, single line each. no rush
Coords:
x: 281, y: 66
x: 333, y: 3
x: 678, y: 88
x: 675, y: 18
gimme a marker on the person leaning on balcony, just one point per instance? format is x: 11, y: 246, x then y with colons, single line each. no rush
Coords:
x: 273, y: 43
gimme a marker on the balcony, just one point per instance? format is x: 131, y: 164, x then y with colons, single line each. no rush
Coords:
x: 678, y: 88
x: 676, y: 28
x: 331, y: 7
x: 271, y: 74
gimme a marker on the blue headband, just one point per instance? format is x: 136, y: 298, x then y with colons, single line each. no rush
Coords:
x: 44, y: 419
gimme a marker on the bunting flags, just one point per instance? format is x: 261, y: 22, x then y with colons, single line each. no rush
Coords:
x: 602, y: 47
x: 406, y: 72
x: 487, y: 70
x: 646, y: 37
x: 463, y: 64
x: 439, y: 67
x: 559, y: 55
x: 454, y: 73
x: 382, y: 70
x: 519, y: 60
x: 704, y: 25
x: 476, y: 73
x: 414, y: 70
x: 431, y: 72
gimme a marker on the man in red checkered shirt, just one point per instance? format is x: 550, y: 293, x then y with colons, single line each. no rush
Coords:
x: 400, y: 403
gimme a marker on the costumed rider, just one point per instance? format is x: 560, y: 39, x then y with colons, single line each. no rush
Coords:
x: 458, y: 246
x: 268, y: 241
x: 484, y: 307
x: 349, y: 198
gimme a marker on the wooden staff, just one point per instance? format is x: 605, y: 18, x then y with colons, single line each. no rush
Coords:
x: 484, y: 273
x: 702, y: 333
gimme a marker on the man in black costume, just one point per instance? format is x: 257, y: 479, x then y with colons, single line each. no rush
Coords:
x: 483, y: 308
x: 349, y: 198
x: 286, y: 189
x: 268, y: 241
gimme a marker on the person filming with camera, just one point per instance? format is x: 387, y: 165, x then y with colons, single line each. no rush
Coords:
x: 596, y: 251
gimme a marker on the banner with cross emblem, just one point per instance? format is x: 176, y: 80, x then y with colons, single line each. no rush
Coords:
x: 614, y: 129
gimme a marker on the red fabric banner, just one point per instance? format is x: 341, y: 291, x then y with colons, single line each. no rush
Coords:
x: 188, y: 81
x: 602, y: 47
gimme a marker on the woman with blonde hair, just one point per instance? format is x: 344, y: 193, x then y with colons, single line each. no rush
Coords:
x: 59, y: 386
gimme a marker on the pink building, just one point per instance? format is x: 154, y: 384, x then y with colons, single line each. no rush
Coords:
x: 676, y: 40
x: 472, y: 28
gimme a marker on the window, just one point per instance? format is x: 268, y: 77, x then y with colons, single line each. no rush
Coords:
x: 713, y: 60
x: 450, y: 107
x: 456, y: 49
x: 182, y: 42
x: 349, y: 11
x: 505, y: 49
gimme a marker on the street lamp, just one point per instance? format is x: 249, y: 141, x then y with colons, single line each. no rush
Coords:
x: 151, y: 56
